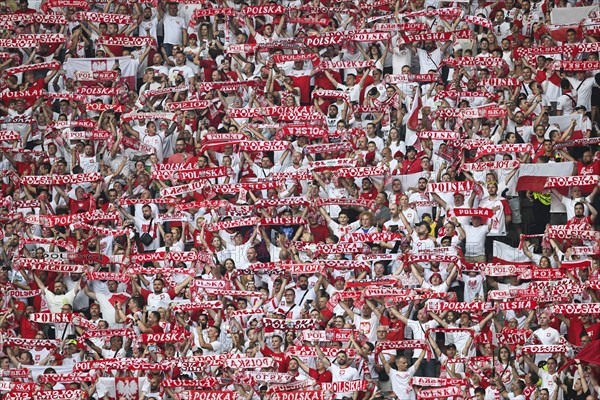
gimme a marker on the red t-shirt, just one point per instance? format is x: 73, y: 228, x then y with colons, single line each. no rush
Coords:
x: 319, y: 232
x: 281, y: 358
x: 576, y: 330
x: 370, y: 195
x: 28, y: 328
x: 76, y: 206
x: 591, y: 169
x: 324, y: 377
x: 410, y: 167
x: 116, y: 50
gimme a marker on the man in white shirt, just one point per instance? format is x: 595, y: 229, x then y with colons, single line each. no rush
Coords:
x: 211, y: 346
x: 401, y: 377
x: 547, y: 335
x: 342, y: 372
x: 419, y: 329
x: 175, y: 31
x: 60, y: 296
x: 182, y: 69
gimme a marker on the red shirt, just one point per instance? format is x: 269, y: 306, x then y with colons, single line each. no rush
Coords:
x: 370, y: 195
x: 591, y: 169
x: 281, y: 358
x: 410, y: 167
x: 576, y: 330
x: 28, y: 328
x: 76, y: 206
x: 116, y: 50
x: 319, y: 232
x: 320, y: 377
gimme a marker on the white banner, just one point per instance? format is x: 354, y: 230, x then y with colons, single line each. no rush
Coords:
x: 126, y: 65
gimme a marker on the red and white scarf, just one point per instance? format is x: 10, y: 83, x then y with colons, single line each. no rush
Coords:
x: 461, y: 186
x: 569, y: 181
x: 437, y: 36
x: 103, y: 17
x: 504, y: 148
x: 33, y: 67
x: 491, y: 165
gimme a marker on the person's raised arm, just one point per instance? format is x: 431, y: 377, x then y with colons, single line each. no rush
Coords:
x: 438, y: 319
x: 374, y: 308
x: 183, y: 284
x: 532, y: 365
x: 399, y: 315
x: 452, y: 275
x: 89, y: 293
x: 282, y: 290
x: 593, y: 212
x: 347, y: 309
x: 407, y: 225
x: 39, y: 282
x: 385, y: 363
x: 434, y: 346
x: 418, y: 362
x: 486, y: 319
x: 321, y: 356
x: 526, y: 250
x: 417, y: 274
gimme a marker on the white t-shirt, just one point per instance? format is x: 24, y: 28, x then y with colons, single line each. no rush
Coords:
x: 367, y: 326
x: 347, y: 374
x: 173, y: 29
x: 548, y: 336
x: 475, y: 240
x: 419, y: 330
x: 401, y: 383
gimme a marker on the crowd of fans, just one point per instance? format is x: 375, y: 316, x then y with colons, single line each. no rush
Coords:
x: 299, y: 200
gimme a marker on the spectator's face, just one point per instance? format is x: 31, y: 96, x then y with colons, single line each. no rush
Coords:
x: 551, y: 365
x: 266, y: 162
x: 519, y: 117
x: 173, y: 9
x: 95, y: 310
x: 112, y: 286
x: 289, y: 296
x: 303, y: 282
x: 147, y: 212
x: 59, y: 288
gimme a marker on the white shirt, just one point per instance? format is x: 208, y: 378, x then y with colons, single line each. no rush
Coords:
x: 401, y: 383
x: 548, y: 336
x: 498, y: 221
x: 173, y: 33
x: 419, y: 330
x: 343, y: 375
